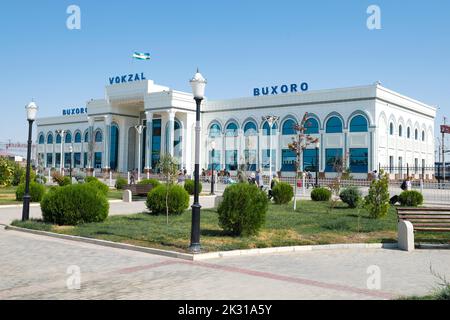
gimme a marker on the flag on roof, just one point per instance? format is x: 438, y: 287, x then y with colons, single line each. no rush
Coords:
x: 141, y: 56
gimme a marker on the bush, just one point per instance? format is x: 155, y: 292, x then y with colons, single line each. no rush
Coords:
x: 90, y: 179
x: 320, y: 194
x: 410, y: 199
x: 74, y: 204
x: 60, y: 179
x: 37, y: 191
x: 282, y: 193
x: 351, y: 196
x: 189, y: 186
x: 377, y: 201
x: 97, y: 184
x: 154, y: 182
x: 120, y: 183
x: 178, y: 200
x: 243, y: 209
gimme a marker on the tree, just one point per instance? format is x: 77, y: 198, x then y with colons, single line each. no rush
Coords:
x: 377, y: 201
x: 168, y: 166
x: 300, y: 142
x: 6, y: 172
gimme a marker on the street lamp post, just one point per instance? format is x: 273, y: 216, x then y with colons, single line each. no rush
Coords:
x: 213, y: 150
x: 198, y: 84
x: 31, y: 116
x: 270, y: 120
x: 61, y: 158
x: 70, y: 163
x: 317, y: 163
x: 139, y: 129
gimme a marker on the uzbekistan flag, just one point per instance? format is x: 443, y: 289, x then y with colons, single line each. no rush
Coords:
x: 141, y: 56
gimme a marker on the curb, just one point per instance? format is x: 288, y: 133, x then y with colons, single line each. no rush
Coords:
x: 205, y: 256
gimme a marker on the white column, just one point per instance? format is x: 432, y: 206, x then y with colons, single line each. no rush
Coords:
x: 106, y: 144
x: 171, y: 134
x: 90, y: 157
x: 148, y: 154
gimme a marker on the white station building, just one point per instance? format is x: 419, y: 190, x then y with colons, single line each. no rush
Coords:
x: 368, y: 126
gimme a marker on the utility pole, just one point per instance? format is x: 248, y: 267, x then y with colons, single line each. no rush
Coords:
x: 443, y: 150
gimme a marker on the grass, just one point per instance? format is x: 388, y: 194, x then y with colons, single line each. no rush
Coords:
x: 311, y: 224
x: 8, y: 196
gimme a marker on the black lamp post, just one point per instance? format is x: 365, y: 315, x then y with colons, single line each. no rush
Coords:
x: 31, y: 116
x: 198, y: 84
x: 213, y: 151
x: 317, y: 163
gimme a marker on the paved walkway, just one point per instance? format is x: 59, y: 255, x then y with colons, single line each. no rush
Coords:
x: 35, y: 267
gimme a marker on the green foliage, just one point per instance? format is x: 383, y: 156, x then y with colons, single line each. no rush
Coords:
x: 410, y: 199
x: 120, y: 183
x: 90, y: 179
x: 177, y: 199
x: 37, y: 191
x: 97, y: 184
x: 320, y: 194
x: 40, y: 178
x: 243, y: 209
x: 189, y: 186
x: 24, y: 173
x: 19, y: 172
x: 153, y: 182
x: 168, y: 166
x: 351, y: 196
x: 377, y: 201
x: 282, y: 193
x: 60, y: 179
x: 6, y: 172
x: 74, y: 204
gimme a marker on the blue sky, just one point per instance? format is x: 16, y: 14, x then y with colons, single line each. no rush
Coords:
x: 238, y: 45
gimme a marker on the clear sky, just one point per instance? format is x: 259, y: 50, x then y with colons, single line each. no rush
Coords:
x: 238, y: 45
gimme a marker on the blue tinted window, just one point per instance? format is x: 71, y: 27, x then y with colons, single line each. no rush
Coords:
x: 312, y: 126
x: 231, y: 130
x: 359, y: 124
x: 400, y: 130
x: 77, y: 159
x: 77, y: 137
x: 250, y: 160
x: 309, y: 160
x: 114, y: 153
x: 334, y: 125
x: 156, y: 142
x: 68, y: 138
x: 86, y: 136
x: 98, y: 160
x: 359, y: 160
x: 214, y: 158
x: 391, y: 129
x: 58, y: 138
x: 266, y: 159
x: 41, y: 139
x: 98, y: 136
x: 50, y: 138
x: 250, y: 129
x: 266, y: 129
x: 288, y: 160
x: 333, y: 158
x: 289, y: 128
x: 231, y: 160
x: 49, y: 160
x: 214, y: 131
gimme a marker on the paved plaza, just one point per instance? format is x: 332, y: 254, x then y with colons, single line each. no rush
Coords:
x: 35, y: 267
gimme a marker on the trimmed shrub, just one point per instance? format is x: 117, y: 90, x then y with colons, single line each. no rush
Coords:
x: 189, y: 186
x: 243, y: 209
x: 282, y: 193
x: 153, y: 182
x: 90, y: 179
x: 103, y: 188
x: 74, y: 204
x: 351, y: 196
x: 120, y: 183
x: 410, y: 199
x: 37, y: 191
x: 320, y: 194
x: 377, y: 201
x: 178, y: 199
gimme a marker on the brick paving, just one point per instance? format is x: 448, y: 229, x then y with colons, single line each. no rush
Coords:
x: 34, y: 267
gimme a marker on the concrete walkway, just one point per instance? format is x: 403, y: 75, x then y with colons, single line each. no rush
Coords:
x: 37, y: 267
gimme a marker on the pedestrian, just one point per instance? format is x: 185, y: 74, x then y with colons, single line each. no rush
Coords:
x: 408, y: 184
x: 132, y: 180
x: 273, y: 183
x: 259, y: 179
x: 252, y: 178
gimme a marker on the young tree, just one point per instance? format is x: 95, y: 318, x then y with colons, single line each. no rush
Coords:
x: 168, y: 166
x: 300, y: 142
x: 377, y: 201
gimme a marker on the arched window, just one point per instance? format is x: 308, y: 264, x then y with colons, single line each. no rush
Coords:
x: 98, y: 136
x: 78, y: 137
x: 86, y: 136
x: 58, y: 138
x: 231, y: 130
x: 416, y: 134
x: 50, y: 138
x: 214, y: 131
x: 114, y: 148
x: 400, y: 130
x: 359, y: 124
x: 68, y: 138
x: 312, y: 126
x: 289, y: 127
x: 408, y: 133
x: 334, y: 125
x: 250, y: 129
x: 266, y: 129
x: 391, y: 129
x: 41, y: 139
x: 423, y: 135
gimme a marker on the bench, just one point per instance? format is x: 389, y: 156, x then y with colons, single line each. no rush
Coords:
x: 138, y: 189
x: 412, y: 220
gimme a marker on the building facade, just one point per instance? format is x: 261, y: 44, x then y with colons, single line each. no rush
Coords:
x: 367, y: 126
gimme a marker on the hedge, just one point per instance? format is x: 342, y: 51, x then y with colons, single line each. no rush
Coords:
x: 282, y: 193
x: 37, y: 191
x: 178, y: 200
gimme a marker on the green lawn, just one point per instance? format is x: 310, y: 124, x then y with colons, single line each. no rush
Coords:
x: 313, y: 223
